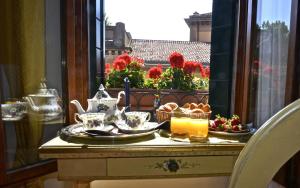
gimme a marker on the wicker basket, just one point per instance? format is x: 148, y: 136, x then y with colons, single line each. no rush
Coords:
x: 162, y: 116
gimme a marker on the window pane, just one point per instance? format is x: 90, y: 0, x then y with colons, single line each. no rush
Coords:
x: 150, y: 38
x: 31, y: 80
x: 98, y: 38
x: 270, y: 57
x: 98, y: 9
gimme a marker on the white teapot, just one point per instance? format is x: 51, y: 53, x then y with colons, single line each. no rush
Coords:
x: 102, y: 102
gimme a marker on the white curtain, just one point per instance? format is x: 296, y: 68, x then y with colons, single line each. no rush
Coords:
x: 272, y: 56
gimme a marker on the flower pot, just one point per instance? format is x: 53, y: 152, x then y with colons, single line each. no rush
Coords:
x: 143, y: 99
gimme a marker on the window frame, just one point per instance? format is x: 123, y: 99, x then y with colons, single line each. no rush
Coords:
x: 288, y: 174
x: 246, y: 38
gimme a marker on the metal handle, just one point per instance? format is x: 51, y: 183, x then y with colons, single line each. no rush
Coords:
x: 172, y: 165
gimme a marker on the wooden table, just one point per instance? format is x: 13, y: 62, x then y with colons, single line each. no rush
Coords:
x: 158, y: 157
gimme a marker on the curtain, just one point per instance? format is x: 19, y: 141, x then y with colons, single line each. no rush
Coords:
x: 22, y: 64
x: 270, y: 58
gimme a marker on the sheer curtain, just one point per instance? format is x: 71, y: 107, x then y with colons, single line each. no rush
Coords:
x: 270, y: 58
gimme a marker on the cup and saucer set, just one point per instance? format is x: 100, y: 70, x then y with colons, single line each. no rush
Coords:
x: 103, y: 117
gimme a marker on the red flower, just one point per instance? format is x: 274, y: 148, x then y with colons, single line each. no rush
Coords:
x: 202, y: 70
x: 176, y: 60
x: 125, y: 57
x: 267, y: 70
x: 189, y: 67
x: 119, y: 64
x: 256, y: 64
x: 136, y: 62
x: 155, y: 72
x: 107, y: 68
x: 207, y: 71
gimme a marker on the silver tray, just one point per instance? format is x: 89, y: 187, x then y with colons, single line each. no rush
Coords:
x: 76, y: 133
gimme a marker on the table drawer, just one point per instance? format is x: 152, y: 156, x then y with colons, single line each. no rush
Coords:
x: 77, y: 168
x: 161, y: 166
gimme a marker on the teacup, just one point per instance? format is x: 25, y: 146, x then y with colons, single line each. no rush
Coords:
x: 90, y: 120
x: 136, y: 118
x: 13, y: 110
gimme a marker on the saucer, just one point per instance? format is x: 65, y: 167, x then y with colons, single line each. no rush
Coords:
x: 145, y: 127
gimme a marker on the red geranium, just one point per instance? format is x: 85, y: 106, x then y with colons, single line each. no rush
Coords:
x: 119, y: 64
x: 202, y: 70
x: 207, y: 71
x: 176, y: 60
x: 155, y: 72
x: 136, y: 62
x: 107, y: 68
x: 256, y: 64
x: 189, y: 67
x: 125, y: 57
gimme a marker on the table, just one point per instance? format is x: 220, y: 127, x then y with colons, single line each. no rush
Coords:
x: 159, y: 157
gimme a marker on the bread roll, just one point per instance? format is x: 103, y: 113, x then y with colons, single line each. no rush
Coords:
x: 167, y: 108
x: 173, y: 105
x: 200, y: 105
x: 193, y: 106
x: 186, y: 105
x: 206, y: 108
x: 197, y: 111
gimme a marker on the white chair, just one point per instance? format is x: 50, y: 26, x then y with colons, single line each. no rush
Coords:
x: 274, y: 143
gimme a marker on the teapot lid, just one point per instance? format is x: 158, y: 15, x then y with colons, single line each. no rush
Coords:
x: 101, y: 93
x: 43, y: 91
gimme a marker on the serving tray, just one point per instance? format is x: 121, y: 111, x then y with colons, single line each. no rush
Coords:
x: 76, y: 133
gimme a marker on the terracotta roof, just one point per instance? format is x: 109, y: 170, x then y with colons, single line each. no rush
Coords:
x: 158, y: 51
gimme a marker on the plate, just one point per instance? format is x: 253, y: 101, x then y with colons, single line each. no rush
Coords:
x: 232, y: 133
x: 146, y: 127
x: 76, y: 133
x: 223, y: 133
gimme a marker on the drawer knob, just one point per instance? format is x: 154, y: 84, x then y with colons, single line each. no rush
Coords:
x: 172, y: 165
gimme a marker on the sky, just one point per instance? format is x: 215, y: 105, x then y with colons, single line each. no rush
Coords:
x: 155, y: 19
x: 272, y: 10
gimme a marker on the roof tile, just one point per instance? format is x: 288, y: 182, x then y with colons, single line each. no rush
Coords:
x: 159, y: 50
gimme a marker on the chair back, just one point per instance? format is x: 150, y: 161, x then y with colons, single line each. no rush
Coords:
x: 274, y: 143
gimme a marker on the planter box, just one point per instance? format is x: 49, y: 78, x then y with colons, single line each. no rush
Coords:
x: 143, y: 99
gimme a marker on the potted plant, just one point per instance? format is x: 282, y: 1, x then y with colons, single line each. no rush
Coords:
x: 178, y: 83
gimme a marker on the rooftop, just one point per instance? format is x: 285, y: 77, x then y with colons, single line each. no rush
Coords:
x: 158, y: 51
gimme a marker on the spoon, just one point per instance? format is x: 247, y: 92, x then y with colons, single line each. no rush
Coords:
x: 106, y: 131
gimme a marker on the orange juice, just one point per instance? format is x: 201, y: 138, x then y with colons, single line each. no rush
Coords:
x: 179, y: 125
x: 198, y: 127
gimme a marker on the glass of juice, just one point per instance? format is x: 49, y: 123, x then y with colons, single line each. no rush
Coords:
x: 179, y: 124
x: 198, y: 126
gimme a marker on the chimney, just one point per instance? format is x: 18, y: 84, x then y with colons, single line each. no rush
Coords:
x: 200, y: 27
x: 119, y: 35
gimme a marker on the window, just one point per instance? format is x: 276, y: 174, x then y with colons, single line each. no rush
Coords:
x: 269, y: 59
x: 267, y: 56
x: 31, y: 78
x: 223, y: 50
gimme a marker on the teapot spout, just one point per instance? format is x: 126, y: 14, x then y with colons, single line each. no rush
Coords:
x: 78, y: 106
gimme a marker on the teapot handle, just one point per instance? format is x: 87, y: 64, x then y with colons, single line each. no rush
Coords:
x: 149, y: 116
x: 75, y: 118
x: 119, y: 96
